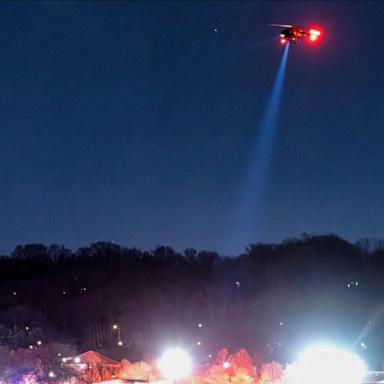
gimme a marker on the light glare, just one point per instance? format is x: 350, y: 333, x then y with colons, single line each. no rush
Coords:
x: 327, y: 364
x: 314, y: 32
x: 175, y: 364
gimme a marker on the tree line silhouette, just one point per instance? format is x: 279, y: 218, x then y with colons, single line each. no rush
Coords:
x: 273, y: 299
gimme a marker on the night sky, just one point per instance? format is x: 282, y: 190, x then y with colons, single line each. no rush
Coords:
x: 134, y: 121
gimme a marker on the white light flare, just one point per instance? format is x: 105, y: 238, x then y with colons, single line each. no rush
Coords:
x: 175, y: 364
x: 328, y: 364
x: 315, y: 32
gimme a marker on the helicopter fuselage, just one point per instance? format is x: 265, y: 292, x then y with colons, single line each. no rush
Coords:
x: 292, y: 34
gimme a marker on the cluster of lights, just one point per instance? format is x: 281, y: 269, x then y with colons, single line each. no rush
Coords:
x: 314, y: 34
x: 76, y: 360
x: 353, y: 284
x: 274, y: 345
x: 317, y: 365
x: 116, y: 327
x: 199, y: 342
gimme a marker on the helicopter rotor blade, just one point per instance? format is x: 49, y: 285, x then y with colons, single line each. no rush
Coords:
x: 281, y: 25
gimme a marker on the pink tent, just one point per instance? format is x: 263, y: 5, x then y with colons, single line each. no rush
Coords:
x: 93, y: 358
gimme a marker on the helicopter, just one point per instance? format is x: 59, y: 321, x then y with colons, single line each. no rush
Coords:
x: 292, y: 33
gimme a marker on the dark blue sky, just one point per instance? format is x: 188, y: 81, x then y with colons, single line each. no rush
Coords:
x: 133, y: 121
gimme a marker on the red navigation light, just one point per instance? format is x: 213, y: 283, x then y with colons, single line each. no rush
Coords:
x: 283, y: 40
x: 313, y: 37
x: 314, y: 32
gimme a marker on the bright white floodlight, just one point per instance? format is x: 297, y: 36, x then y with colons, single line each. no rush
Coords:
x: 330, y: 365
x: 175, y: 364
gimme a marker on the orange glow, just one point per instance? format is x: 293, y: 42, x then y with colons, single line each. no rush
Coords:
x: 313, y: 37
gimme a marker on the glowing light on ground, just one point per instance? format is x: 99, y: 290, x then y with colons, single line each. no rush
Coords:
x: 175, y: 364
x: 328, y: 364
